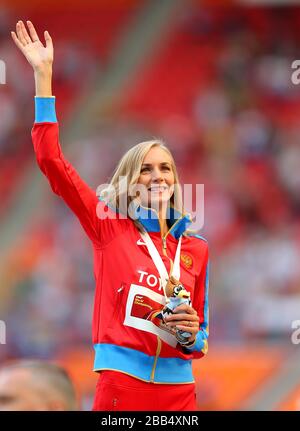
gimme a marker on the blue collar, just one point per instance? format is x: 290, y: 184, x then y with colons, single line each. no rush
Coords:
x: 177, y: 221
x: 148, y: 217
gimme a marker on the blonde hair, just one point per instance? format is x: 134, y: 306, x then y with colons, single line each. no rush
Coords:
x: 129, y: 168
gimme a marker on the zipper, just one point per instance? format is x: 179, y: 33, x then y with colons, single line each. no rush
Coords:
x: 158, y: 349
x: 121, y: 288
x: 164, y: 249
x: 117, y: 305
x: 164, y: 244
x: 164, y: 237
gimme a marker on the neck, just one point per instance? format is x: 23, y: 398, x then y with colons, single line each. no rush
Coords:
x: 163, y: 226
x: 163, y: 221
x: 161, y: 210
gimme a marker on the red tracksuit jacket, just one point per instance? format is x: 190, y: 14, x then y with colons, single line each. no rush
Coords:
x: 127, y: 282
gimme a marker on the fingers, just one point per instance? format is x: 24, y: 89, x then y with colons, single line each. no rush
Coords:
x: 48, y: 39
x: 26, y: 36
x: 182, y: 316
x: 16, y: 40
x: 191, y: 326
x: 194, y: 327
x: 191, y: 329
x: 187, y: 324
x: 20, y: 34
x: 33, y: 33
x: 184, y: 321
x: 185, y: 308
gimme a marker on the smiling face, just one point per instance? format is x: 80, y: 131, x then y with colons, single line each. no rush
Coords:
x: 157, y: 178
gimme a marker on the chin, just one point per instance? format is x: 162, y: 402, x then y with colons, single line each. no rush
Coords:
x: 159, y: 198
x: 156, y: 203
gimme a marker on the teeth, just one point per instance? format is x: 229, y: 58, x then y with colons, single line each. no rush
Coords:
x: 158, y: 188
x: 163, y: 188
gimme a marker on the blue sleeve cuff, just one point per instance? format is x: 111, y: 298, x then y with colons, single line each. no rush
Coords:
x: 200, y: 344
x: 45, y: 109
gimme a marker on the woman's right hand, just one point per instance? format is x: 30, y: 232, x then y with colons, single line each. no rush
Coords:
x: 39, y: 56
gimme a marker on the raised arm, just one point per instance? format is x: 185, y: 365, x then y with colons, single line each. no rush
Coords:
x: 63, y: 178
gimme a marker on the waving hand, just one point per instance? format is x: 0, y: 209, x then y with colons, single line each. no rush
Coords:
x: 38, y: 55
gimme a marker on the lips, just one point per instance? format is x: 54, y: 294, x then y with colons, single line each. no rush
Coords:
x: 158, y: 188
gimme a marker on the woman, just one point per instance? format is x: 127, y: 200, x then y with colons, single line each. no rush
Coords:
x: 143, y: 346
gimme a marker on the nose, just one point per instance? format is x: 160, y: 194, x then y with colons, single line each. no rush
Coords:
x: 157, y: 175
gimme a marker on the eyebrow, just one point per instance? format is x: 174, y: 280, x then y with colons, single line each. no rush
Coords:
x: 150, y: 164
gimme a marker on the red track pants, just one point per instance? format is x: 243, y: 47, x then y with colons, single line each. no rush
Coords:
x: 116, y: 391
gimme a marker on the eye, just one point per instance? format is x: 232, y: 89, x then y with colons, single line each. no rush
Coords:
x: 177, y: 289
x: 166, y: 168
x: 145, y: 170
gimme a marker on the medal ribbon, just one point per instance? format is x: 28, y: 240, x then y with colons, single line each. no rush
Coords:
x: 158, y: 262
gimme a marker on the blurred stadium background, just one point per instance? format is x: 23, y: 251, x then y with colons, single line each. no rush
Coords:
x: 212, y: 78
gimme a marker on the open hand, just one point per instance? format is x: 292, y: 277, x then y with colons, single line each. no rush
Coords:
x: 36, y: 53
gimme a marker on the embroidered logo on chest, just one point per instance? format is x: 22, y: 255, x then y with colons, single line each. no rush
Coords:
x: 186, y: 260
